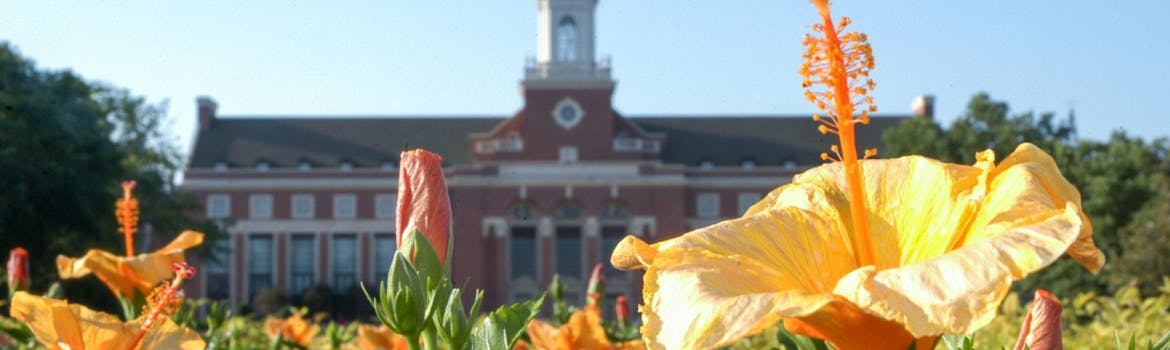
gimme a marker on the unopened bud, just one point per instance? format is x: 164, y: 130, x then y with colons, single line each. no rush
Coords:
x: 18, y: 278
x: 622, y: 309
x: 596, y: 285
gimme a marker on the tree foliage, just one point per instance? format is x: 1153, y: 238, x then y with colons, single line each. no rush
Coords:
x: 65, y: 146
x: 1118, y: 179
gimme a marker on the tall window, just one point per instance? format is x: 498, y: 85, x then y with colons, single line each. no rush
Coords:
x: 218, y: 206
x: 303, y: 261
x: 523, y: 251
x: 260, y: 206
x: 384, y: 248
x: 259, y: 264
x: 218, y: 270
x: 567, y: 40
x: 569, y: 242
x: 303, y: 206
x: 522, y: 245
x: 343, y: 259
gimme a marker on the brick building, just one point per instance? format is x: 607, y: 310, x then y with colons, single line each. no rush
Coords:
x: 548, y: 190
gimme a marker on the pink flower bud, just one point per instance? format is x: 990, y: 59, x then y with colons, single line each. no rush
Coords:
x: 423, y: 203
x: 1041, y: 328
x: 596, y: 288
x: 18, y: 278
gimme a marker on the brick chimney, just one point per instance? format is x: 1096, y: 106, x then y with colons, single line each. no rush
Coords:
x: 207, y: 107
x: 923, y: 106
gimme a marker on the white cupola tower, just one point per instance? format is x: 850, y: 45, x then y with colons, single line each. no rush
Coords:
x: 565, y: 43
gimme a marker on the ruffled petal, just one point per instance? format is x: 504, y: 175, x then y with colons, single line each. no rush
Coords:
x: 58, y: 324
x: 958, y: 292
x: 847, y: 327
x: 124, y: 275
x: 168, y: 335
x: 718, y: 284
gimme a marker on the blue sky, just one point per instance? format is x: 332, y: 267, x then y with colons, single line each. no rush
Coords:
x: 465, y: 57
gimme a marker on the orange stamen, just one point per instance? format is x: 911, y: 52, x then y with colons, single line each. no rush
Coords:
x: 127, y: 214
x: 166, y: 303
x: 840, y: 63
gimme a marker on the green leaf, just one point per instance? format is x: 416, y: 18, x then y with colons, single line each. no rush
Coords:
x: 1163, y: 343
x: 501, y: 328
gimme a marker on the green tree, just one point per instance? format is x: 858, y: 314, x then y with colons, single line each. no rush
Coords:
x: 1117, y: 178
x: 65, y: 146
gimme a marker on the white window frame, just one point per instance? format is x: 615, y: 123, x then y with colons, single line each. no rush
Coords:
x: 302, y: 197
x: 217, y: 201
x: 707, y: 205
x: 746, y: 200
x: 256, y: 206
x: 337, y: 199
x: 385, y: 205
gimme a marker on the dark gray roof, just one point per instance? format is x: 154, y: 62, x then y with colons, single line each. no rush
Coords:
x: 327, y: 141
x: 369, y: 141
x: 766, y: 140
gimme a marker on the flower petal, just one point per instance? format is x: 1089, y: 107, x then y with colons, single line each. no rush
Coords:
x: 958, y: 293
x: 721, y: 283
x: 56, y: 323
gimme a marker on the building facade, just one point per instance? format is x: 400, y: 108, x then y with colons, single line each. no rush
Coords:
x: 548, y: 190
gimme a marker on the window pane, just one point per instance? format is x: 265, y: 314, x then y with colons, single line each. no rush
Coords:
x: 384, y: 248
x: 303, y: 254
x: 568, y: 251
x: 259, y: 264
x: 344, y: 206
x: 344, y: 262
x: 302, y: 206
x: 260, y: 206
x: 567, y: 40
x: 522, y: 247
x: 385, y: 205
x: 707, y: 205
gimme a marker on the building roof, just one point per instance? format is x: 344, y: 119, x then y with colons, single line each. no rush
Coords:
x: 371, y: 141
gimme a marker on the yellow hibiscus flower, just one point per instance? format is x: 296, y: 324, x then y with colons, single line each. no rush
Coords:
x: 583, y: 331
x: 124, y: 275
x: 948, y: 241
x: 60, y: 325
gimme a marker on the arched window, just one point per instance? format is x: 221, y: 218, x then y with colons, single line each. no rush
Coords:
x: 567, y: 40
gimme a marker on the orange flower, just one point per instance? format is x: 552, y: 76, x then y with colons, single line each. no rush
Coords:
x: 423, y: 203
x: 127, y: 214
x: 60, y: 325
x: 379, y: 338
x: 294, y: 328
x: 124, y: 275
x: 583, y: 331
x: 1041, y: 328
x: 17, y: 270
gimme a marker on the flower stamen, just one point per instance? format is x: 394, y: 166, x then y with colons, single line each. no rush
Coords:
x: 836, y: 79
x: 167, y: 303
x: 127, y: 214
